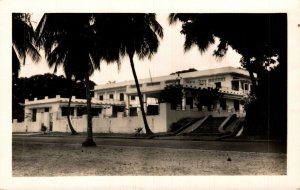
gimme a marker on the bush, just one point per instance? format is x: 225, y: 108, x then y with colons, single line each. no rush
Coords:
x: 43, y: 128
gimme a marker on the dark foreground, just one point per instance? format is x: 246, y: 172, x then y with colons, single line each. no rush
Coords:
x: 64, y: 156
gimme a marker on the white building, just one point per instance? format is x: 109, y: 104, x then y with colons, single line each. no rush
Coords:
x: 116, y: 105
x: 233, y: 83
x: 52, y: 113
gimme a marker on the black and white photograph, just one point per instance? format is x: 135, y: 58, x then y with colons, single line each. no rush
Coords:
x: 147, y: 98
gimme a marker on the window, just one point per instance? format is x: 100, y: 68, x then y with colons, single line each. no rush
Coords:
x: 96, y: 111
x: 101, y: 97
x: 153, y: 84
x: 132, y: 97
x: 202, y: 81
x: 246, y: 87
x: 121, y: 97
x: 236, y: 105
x: 111, y: 96
x: 64, y: 111
x: 46, y: 109
x: 216, y: 79
x: 133, y: 111
x: 133, y: 86
x: 81, y: 111
x: 218, y: 84
x: 33, y: 115
x: 235, y: 85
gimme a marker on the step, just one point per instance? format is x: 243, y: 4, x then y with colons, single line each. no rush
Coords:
x: 210, y: 126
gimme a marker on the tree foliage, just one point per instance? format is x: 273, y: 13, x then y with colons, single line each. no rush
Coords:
x: 22, y: 41
x: 172, y: 94
x: 261, y: 39
x: 39, y: 86
x: 201, y: 96
x: 130, y: 34
x: 206, y: 97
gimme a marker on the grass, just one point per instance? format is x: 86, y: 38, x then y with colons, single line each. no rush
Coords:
x: 36, y: 159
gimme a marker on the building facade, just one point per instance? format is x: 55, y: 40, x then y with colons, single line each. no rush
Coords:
x: 52, y: 113
x: 233, y: 83
x: 116, y: 106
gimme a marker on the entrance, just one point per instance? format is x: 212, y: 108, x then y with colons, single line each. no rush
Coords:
x: 236, y: 104
x: 223, y: 103
x: 45, y: 119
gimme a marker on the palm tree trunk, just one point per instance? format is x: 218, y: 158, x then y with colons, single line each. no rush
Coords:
x: 89, y: 140
x: 250, y: 70
x: 73, y: 131
x: 148, y: 130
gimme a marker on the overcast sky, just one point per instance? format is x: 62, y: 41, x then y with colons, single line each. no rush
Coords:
x: 169, y: 58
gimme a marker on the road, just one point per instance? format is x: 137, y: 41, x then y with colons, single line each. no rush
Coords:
x: 266, y: 147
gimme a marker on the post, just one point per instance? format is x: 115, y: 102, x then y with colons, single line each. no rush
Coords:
x: 183, y: 101
x: 127, y: 104
x: 145, y: 102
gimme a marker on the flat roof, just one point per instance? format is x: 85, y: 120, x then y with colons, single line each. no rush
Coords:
x: 193, y: 74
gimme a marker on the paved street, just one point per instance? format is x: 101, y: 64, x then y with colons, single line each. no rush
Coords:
x: 260, y: 146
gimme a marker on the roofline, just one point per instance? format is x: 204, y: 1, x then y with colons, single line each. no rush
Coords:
x: 194, y: 74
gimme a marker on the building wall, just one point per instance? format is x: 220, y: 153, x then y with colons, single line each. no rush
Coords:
x: 120, y: 124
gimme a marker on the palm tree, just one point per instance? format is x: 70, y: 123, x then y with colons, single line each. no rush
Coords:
x: 22, y: 45
x: 22, y: 41
x: 69, y: 40
x: 129, y: 35
x: 73, y: 131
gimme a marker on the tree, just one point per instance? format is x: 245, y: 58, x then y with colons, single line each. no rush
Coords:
x: 73, y: 131
x: 22, y: 45
x: 259, y: 38
x: 39, y: 86
x: 22, y: 41
x: 172, y: 94
x: 69, y: 40
x: 74, y: 86
x: 206, y: 97
x: 129, y: 35
x: 251, y: 35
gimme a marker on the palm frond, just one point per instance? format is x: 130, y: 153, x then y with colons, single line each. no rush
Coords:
x: 23, y: 39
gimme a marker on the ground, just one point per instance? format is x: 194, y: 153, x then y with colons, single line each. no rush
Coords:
x: 37, y: 157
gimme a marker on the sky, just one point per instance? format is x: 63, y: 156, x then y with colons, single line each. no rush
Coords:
x: 169, y: 58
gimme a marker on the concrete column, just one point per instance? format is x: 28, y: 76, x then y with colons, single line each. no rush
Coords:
x: 127, y: 104
x: 145, y: 102
x: 183, y: 101
x: 115, y: 96
x: 75, y: 111
x: 182, y: 81
x: 27, y: 115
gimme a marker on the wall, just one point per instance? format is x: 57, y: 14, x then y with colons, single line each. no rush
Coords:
x: 25, y: 126
x: 120, y: 124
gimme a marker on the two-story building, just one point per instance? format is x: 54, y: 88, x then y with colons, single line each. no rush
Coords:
x: 116, y: 105
x: 233, y: 83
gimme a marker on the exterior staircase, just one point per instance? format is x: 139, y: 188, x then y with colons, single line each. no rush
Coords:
x: 182, y: 124
x: 209, y: 127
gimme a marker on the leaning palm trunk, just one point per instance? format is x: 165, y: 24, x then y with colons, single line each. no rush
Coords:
x: 89, y: 140
x: 148, y: 131
x: 73, y: 131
